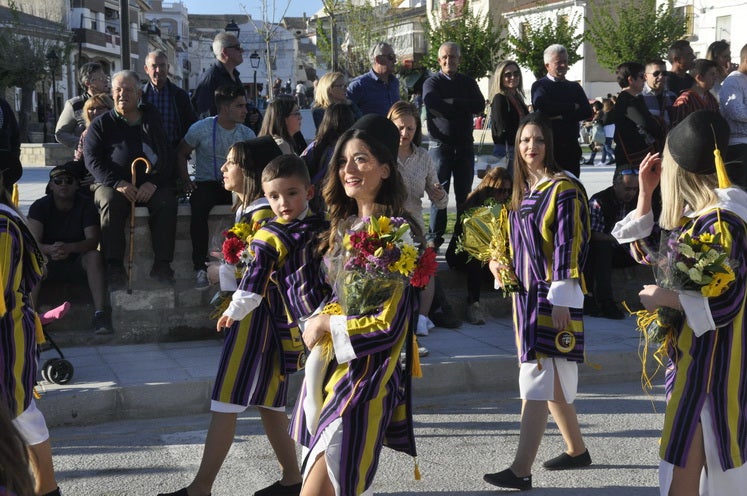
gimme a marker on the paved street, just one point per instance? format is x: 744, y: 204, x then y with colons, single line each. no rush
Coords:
x: 459, y: 439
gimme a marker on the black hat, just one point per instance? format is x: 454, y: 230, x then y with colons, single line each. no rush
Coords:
x: 381, y: 129
x: 263, y: 150
x: 62, y: 170
x: 693, y: 141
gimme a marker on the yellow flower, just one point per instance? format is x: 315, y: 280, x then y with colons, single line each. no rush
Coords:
x: 242, y: 230
x: 407, y: 260
x: 719, y: 284
x: 346, y: 242
x: 385, y: 225
x: 706, y: 238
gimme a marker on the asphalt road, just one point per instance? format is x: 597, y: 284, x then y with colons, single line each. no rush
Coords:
x: 459, y: 439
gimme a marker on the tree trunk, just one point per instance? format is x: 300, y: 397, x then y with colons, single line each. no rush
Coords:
x: 24, y: 115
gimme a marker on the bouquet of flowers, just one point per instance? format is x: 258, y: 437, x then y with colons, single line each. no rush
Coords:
x: 236, y: 253
x: 685, y: 262
x: 484, y: 238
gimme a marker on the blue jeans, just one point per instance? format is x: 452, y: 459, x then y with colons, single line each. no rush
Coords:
x: 456, y: 160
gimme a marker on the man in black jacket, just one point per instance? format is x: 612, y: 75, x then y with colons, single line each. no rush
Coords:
x: 171, y: 101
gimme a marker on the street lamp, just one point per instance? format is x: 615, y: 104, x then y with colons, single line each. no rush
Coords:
x: 53, y: 60
x: 233, y: 28
x: 254, y: 61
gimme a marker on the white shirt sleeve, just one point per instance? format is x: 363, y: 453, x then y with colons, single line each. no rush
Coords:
x: 227, y: 277
x: 697, y: 312
x: 566, y: 293
x: 631, y: 229
x: 338, y: 326
x: 242, y: 304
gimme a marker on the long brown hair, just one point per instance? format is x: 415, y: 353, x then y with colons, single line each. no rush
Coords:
x: 521, y: 176
x: 391, y: 195
x: 273, y: 123
x: 252, y: 186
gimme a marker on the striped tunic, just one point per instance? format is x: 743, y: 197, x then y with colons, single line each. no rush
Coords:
x: 21, y: 265
x: 285, y: 257
x: 548, y: 240
x: 713, y: 367
x: 689, y: 101
x: 371, y: 393
x: 252, y: 368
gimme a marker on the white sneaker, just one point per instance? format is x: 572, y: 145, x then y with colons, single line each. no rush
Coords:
x: 201, y: 280
x: 422, y: 328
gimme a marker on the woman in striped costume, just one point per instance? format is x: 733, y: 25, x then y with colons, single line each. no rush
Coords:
x: 252, y: 369
x: 366, y: 398
x: 548, y: 239
x: 704, y: 440
x: 21, y: 268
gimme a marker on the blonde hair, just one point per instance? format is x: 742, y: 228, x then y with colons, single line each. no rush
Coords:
x: 496, y: 81
x: 681, y: 189
x: 323, y: 88
x: 99, y: 99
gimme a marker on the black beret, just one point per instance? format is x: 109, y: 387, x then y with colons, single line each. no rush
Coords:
x: 263, y: 150
x: 381, y: 129
x: 692, y: 142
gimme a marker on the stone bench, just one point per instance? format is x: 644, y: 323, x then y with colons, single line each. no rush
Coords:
x: 153, y: 312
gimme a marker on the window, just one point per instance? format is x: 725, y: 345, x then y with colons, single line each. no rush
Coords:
x: 688, y: 14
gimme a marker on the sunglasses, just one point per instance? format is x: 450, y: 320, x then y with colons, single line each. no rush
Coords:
x: 237, y: 47
x: 63, y: 180
x: 629, y: 172
x: 389, y: 56
x: 514, y: 74
x: 656, y: 74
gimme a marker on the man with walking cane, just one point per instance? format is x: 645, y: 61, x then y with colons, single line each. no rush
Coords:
x: 127, y: 132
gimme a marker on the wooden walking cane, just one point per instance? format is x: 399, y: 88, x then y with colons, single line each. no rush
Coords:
x: 133, y: 172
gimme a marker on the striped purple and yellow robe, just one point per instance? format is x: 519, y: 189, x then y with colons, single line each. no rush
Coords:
x: 371, y: 393
x: 548, y: 240
x: 285, y: 256
x: 252, y: 365
x: 21, y: 268
x: 712, y: 367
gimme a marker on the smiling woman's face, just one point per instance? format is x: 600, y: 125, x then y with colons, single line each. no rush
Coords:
x: 360, y: 172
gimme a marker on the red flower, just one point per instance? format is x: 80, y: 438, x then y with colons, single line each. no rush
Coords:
x: 232, y: 248
x: 426, y: 268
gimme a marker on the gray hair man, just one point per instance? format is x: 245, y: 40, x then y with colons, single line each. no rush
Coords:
x: 377, y: 90
x: 564, y: 104
x: 229, y: 54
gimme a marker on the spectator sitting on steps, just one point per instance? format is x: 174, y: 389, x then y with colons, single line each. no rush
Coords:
x: 67, y: 226
x: 496, y: 185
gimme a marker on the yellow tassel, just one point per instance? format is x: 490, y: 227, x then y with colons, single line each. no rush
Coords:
x: 39, y: 329
x: 417, y: 468
x: 723, y: 177
x: 15, y: 196
x: 37, y: 396
x: 416, y: 370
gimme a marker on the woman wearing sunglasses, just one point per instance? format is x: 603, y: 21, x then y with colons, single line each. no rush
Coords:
x: 507, y: 107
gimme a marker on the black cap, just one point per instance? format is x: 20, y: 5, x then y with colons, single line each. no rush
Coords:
x: 62, y: 170
x: 692, y: 142
x: 381, y: 129
x: 263, y: 150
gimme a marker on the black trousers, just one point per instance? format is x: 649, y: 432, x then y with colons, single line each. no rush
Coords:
x: 207, y: 195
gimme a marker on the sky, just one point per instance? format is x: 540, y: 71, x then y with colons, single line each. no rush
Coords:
x: 296, y: 8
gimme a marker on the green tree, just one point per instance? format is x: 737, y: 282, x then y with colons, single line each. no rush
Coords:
x: 632, y: 30
x: 23, y: 62
x: 529, y: 42
x: 480, y: 41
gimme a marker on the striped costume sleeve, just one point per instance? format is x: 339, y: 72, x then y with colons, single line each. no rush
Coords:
x: 566, y: 226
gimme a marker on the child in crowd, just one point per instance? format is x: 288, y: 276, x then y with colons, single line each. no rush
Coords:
x: 285, y: 247
x: 699, y: 97
x: 255, y: 361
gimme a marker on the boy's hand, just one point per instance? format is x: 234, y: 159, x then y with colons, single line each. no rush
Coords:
x: 223, y: 322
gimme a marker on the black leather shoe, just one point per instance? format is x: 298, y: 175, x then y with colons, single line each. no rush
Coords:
x: 162, y: 272
x: 508, y: 479
x: 278, y: 489
x: 568, y: 462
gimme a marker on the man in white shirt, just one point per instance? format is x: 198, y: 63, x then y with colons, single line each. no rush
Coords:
x: 733, y: 106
